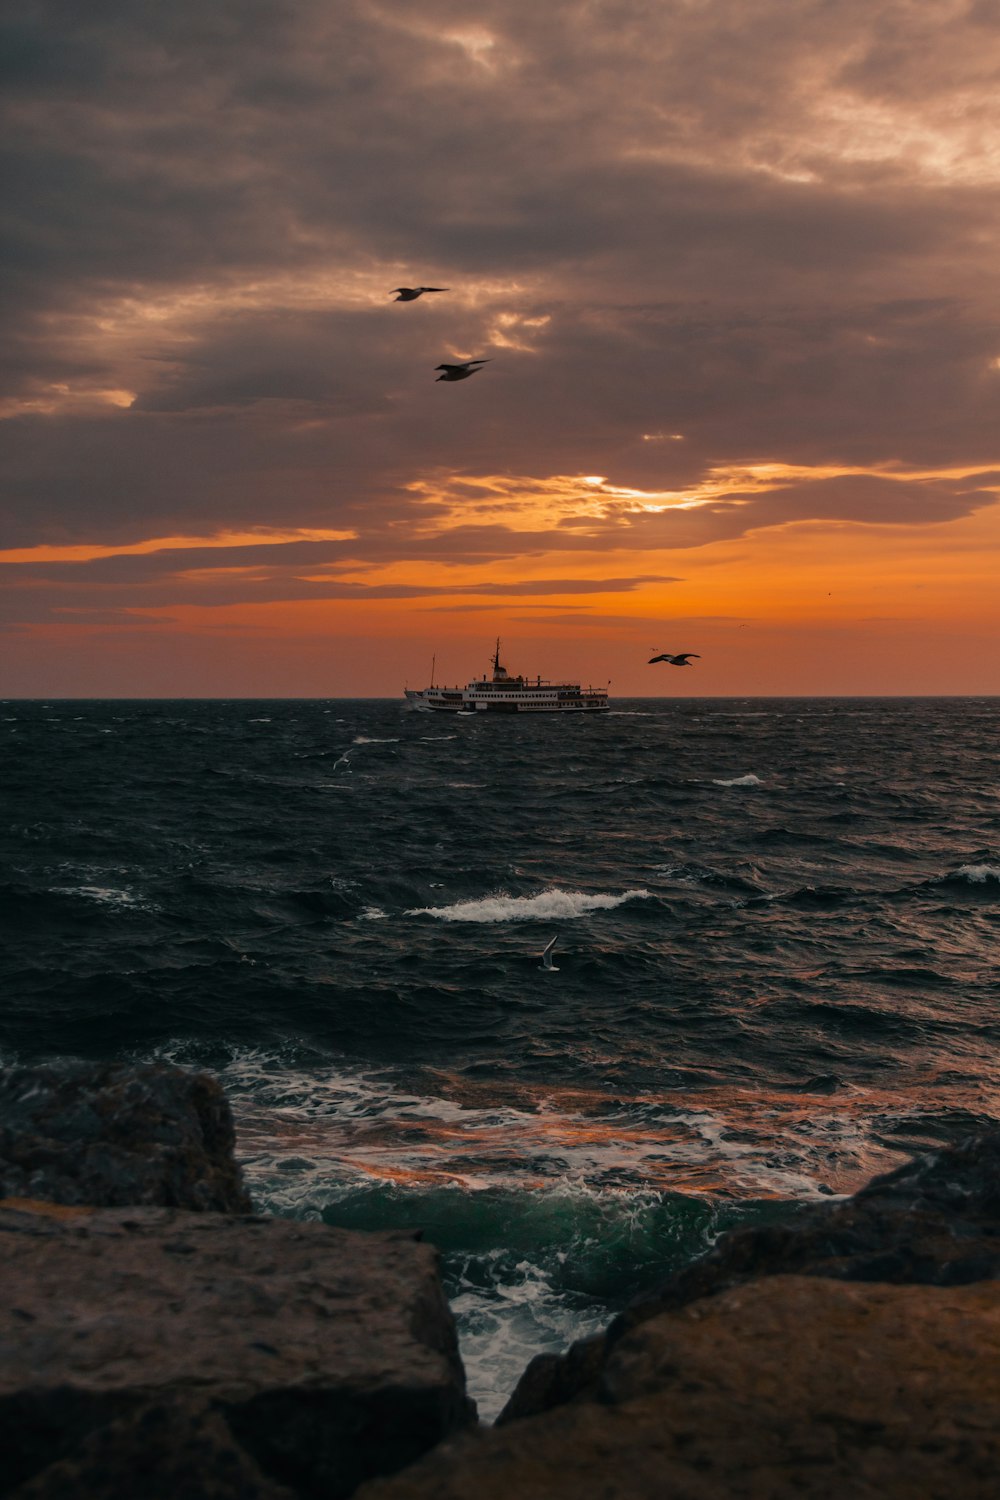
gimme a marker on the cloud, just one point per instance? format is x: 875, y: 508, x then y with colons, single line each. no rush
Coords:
x: 690, y: 238
x: 75, y: 593
x: 589, y: 519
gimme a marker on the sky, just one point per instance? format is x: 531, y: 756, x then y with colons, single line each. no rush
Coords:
x: 733, y: 264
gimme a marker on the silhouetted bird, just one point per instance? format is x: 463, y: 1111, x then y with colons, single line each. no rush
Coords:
x: 411, y: 293
x: 680, y: 660
x: 461, y: 372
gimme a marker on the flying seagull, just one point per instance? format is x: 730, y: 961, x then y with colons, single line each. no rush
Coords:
x: 547, y: 955
x: 461, y: 372
x: 680, y: 660
x: 411, y: 293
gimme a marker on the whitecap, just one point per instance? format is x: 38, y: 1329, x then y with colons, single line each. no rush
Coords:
x: 106, y: 895
x: 362, y: 739
x: 547, y: 906
x: 977, y: 874
x: 371, y: 914
x: 749, y: 780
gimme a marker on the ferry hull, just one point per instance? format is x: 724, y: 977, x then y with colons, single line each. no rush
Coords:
x: 504, y: 694
x: 430, y: 700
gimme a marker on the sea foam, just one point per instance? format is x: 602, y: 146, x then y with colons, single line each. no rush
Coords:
x: 547, y: 906
x: 977, y: 874
x: 748, y: 780
x: 105, y: 895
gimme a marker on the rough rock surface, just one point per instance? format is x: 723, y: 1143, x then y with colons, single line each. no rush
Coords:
x: 786, y: 1388
x: 933, y: 1222
x: 170, y: 1451
x: 330, y: 1356
x: 115, y: 1134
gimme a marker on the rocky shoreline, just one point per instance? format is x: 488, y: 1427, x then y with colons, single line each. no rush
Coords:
x: 161, y: 1339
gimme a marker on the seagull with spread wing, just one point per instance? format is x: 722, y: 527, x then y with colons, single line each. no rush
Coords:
x: 462, y: 371
x: 682, y: 659
x: 411, y: 293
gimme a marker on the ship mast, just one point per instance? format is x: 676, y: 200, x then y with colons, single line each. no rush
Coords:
x: 496, y: 658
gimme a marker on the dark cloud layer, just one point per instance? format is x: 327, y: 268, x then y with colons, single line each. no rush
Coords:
x: 72, y: 601
x: 262, y: 572
x: 688, y: 235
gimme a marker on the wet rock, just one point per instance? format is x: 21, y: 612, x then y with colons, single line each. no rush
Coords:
x: 787, y: 1388
x: 933, y: 1222
x: 330, y: 1355
x: 116, y: 1134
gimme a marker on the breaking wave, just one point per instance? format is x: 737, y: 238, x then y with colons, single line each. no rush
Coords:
x: 547, y: 906
x: 977, y: 874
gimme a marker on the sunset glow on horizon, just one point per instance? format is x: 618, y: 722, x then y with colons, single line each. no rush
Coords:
x: 731, y: 266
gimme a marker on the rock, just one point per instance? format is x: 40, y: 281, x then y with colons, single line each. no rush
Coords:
x: 787, y: 1388
x: 168, y: 1451
x: 330, y: 1355
x: 935, y: 1222
x: 116, y: 1134
x: 553, y: 1379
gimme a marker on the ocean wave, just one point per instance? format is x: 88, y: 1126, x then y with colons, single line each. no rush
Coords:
x: 749, y: 780
x: 818, y: 895
x: 364, y: 739
x: 312, y: 1134
x: 547, y: 906
x: 701, y: 875
x: 549, y: 1207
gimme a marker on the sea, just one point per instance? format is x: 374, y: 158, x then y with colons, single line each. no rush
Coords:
x: 775, y: 973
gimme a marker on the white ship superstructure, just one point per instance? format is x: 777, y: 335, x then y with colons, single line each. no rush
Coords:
x: 502, y: 693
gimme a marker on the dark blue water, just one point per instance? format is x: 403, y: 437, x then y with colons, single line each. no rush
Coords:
x: 777, y: 964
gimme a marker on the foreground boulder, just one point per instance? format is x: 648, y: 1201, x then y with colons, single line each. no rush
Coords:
x: 933, y: 1222
x: 786, y: 1388
x: 172, y: 1450
x: 115, y: 1134
x: 289, y: 1356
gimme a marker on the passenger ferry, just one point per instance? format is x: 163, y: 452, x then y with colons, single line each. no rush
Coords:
x: 505, y: 694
